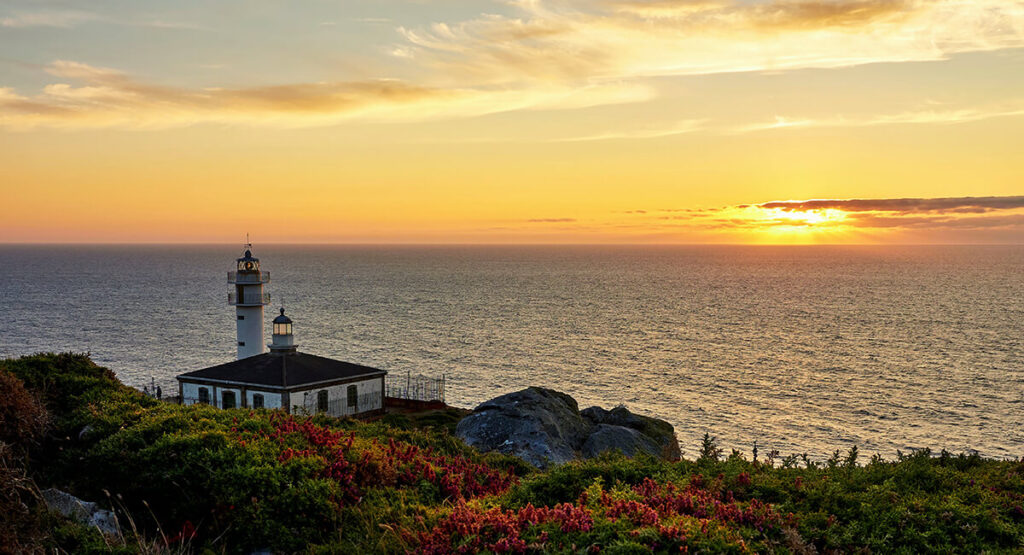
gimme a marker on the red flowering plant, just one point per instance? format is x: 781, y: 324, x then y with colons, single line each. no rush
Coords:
x: 358, y: 463
x: 661, y: 516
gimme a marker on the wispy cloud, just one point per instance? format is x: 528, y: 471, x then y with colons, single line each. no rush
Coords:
x: 575, y: 39
x: 66, y: 19
x: 551, y: 220
x: 104, y: 97
x: 61, y: 19
x: 649, y: 132
x: 556, y: 54
x: 929, y: 116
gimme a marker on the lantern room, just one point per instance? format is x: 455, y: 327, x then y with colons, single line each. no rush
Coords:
x: 248, y: 263
x: 282, y: 339
x: 282, y: 324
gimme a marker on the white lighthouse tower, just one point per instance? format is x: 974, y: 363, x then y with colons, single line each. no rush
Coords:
x: 248, y: 298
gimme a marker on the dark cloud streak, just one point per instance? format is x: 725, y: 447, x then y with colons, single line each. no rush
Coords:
x: 959, y: 205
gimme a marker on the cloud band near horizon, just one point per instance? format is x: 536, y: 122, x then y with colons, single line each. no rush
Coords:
x: 961, y: 213
x: 900, y: 205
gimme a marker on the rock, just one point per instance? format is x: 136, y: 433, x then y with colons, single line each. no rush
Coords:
x: 538, y: 425
x: 660, y: 431
x: 607, y: 437
x: 84, y: 511
x: 545, y: 427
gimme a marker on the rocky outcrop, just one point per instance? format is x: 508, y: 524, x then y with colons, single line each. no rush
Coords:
x: 545, y: 427
x: 659, y: 431
x: 540, y: 426
x: 86, y: 512
x: 609, y: 438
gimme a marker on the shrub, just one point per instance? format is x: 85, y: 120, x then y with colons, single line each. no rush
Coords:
x: 23, y: 419
x: 238, y: 480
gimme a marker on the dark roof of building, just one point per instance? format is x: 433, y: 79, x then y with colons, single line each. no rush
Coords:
x: 283, y: 370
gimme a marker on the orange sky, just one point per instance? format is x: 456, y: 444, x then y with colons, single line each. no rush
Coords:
x: 514, y: 122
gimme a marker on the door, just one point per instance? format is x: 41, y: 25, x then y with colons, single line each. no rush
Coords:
x: 353, y: 399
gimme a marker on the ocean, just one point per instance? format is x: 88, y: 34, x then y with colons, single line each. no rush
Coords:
x: 801, y: 349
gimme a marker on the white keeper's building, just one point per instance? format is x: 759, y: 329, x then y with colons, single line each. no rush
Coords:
x: 283, y: 378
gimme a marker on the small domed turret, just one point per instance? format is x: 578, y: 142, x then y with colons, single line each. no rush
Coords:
x: 283, y: 340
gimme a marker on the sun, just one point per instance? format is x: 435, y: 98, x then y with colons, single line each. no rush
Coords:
x: 783, y: 226
x: 806, y: 217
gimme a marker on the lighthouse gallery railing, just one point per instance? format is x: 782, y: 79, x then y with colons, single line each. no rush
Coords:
x: 248, y: 298
x: 248, y: 277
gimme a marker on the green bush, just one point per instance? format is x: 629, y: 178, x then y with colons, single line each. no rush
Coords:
x: 242, y: 484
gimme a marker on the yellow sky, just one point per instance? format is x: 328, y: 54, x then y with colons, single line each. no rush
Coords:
x: 528, y: 121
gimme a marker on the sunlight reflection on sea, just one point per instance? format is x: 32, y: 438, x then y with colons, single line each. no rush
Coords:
x: 804, y: 349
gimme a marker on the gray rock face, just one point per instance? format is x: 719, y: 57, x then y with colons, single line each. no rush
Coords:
x: 656, y: 429
x: 84, y: 511
x: 540, y: 426
x: 545, y: 427
x: 607, y: 437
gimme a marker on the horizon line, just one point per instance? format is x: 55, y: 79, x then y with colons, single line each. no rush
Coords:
x: 400, y: 244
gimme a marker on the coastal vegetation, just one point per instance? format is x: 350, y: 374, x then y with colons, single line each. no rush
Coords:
x: 199, y: 479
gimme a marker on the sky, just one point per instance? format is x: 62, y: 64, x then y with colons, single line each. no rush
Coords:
x: 516, y: 121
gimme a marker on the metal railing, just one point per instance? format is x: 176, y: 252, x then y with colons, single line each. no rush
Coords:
x: 248, y: 298
x: 415, y: 388
x: 248, y: 277
x: 308, y: 404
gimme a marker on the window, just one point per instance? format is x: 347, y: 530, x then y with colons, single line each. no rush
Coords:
x: 227, y: 400
x: 353, y: 397
x: 241, y: 343
x: 282, y: 329
x: 204, y: 396
x: 241, y: 317
x: 257, y: 401
x: 321, y: 401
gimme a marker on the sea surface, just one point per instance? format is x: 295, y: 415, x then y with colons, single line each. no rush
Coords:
x: 801, y: 349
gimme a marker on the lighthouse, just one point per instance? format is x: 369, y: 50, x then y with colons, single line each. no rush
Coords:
x: 284, y: 378
x: 248, y: 298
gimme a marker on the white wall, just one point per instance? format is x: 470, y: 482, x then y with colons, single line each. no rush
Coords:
x: 250, y: 330
x: 337, y: 397
x: 190, y: 393
x: 190, y: 396
x: 270, y: 400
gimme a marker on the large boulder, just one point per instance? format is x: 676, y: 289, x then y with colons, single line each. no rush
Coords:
x: 630, y: 442
x: 540, y: 426
x: 545, y: 427
x: 661, y: 432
